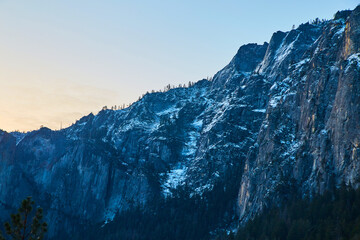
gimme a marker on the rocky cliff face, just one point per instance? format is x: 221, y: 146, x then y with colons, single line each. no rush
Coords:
x: 284, y: 114
x: 308, y: 141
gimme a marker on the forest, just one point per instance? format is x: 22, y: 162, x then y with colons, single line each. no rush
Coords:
x: 334, y: 215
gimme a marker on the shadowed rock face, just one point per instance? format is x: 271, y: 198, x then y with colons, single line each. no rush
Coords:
x: 285, y: 114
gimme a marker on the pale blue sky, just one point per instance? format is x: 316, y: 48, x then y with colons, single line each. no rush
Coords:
x: 62, y: 59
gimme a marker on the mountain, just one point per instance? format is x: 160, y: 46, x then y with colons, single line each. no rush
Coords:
x: 280, y: 120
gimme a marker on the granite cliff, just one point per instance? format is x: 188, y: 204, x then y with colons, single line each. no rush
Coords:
x: 283, y: 117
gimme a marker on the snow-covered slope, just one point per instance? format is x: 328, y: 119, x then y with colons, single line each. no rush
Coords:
x: 282, y: 116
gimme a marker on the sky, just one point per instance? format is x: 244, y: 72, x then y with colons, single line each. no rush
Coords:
x: 61, y: 60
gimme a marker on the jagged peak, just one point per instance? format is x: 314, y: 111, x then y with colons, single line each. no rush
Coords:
x: 344, y: 14
x: 241, y: 59
x: 288, y: 47
x: 243, y: 63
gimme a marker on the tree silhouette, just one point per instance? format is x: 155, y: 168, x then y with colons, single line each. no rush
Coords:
x: 20, y: 227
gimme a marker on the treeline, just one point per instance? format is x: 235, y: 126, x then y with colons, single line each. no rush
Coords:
x: 165, y: 89
x: 317, y: 21
x: 333, y: 215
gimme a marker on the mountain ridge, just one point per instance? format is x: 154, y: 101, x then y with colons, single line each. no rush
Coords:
x: 277, y: 117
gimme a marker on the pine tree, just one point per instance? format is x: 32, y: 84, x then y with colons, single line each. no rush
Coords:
x: 21, y: 228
